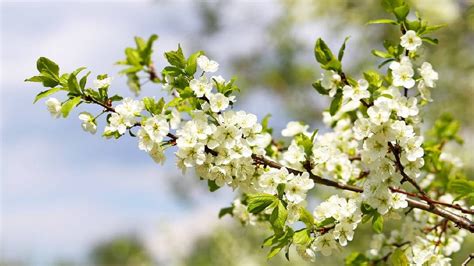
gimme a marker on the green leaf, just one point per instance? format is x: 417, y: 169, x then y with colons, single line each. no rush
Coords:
x: 73, y: 85
x: 133, y: 82
x: 305, y: 142
x: 45, y: 93
x: 461, y: 187
x: 225, y: 211
x: 69, y: 105
x: 77, y: 71
x: 259, y: 202
x: 116, y: 98
x: 302, y: 237
x: 212, y: 185
x: 430, y: 29
x: 269, y: 241
x: 340, y: 55
x: 306, y: 217
x: 334, y: 64
x: 401, y: 12
x: 176, y: 58
x: 313, y: 136
x: 413, y: 25
x: 373, y: 78
x: 381, y: 54
x: 383, y: 21
x: 275, y: 250
x: 46, y: 80
x: 431, y: 41
x: 390, y: 5
x: 377, y: 223
x: 133, y: 57
x: 335, y: 104
x: 152, y: 106
x: 83, y: 81
x: 385, y: 62
x: 325, y: 57
x: 147, y: 50
x: 191, y: 64
x: 399, y: 258
x: 264, y: 123
x: 47, y: 67
x: 319, y: 88
x: 356, y: 259
x: 278, y: 217
x: 366, y: 208
x: 326, y: 221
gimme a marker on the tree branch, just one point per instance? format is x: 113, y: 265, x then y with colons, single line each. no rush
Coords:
x: 461, y: 222
x: 466, y: 262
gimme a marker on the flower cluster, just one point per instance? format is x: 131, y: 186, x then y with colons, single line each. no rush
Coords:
x: 346, y: 215
x: 296, y: 186
x: 429, y: 240
x: 375, y: 145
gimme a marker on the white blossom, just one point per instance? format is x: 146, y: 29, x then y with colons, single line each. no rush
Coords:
x: 358, y: 92
x: 294, y: 128
x: 331, y: 81
x: 201, y: 87
x: 297, y: 186
x: 402, y: 73
x: 88, y: 122
x: 428, y: 74
x: 410, y: 40
x: 218, y: 102
x: 207, y: 65
x: 102, y: 83
x: 325, y: 244
x: 54, y: 107
x: 130, y: 107
x: 399, y: 201
x: 156, y: 127
x: 343, y: 232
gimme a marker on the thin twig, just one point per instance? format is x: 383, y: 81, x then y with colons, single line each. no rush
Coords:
x: 471, y: 257
x: 460, y: 221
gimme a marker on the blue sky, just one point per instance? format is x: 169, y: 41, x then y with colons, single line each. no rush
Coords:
x: 62, y: 189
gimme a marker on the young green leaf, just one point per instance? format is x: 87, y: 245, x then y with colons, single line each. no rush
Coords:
x: 278, y: 217
x: 461, y: 187
x: 258, y: 203
x: 431, y: 41
x: 225, y: 211
x: 377, y: 223
x: 191, y: 63
x: 176, y: 58
x: 69, y: 105
x: 73, y: 85
x: 306, y: 217
x: 401, y: 12
x: 46, y: 93
x: 47, y: 67
x: 335, y: 104
x: 340, y: 55
x: 212, y: 185
x: 302, y: 237
x: 383, y: 21
x: 356, y: 259
x: 381, y: 54
x: 399, y: 257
